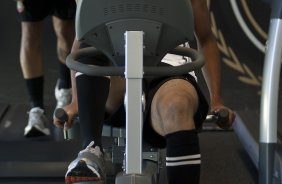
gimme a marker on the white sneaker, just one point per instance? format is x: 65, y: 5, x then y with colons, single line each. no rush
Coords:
x: 36, y: 123
x: 87, y: 167
x: 63, y: 96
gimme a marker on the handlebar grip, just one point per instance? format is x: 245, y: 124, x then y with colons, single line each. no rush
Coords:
x: 61, y: 114
x: 222, y: 118
x: 222, y: 115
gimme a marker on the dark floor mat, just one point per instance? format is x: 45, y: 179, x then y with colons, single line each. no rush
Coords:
x: 13, y: 124
x: 3, y: 110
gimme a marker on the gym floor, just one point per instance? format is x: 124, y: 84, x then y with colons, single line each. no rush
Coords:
x: 224, y: 160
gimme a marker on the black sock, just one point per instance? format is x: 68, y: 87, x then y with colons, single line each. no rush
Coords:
x: 64, y: 76
x: 183, y: 159
x: 92, y: 93
x: 35, y: 91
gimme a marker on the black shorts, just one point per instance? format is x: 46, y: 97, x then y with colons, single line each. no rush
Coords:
x: 37, y: 10
x: 150, y: 88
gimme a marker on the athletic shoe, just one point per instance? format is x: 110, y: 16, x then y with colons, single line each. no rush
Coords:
x: 36, y: 123
x: 87, y: 167
x: 63, y: 96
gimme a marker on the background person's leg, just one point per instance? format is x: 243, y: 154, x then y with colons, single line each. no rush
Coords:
x: 30, y: 51
x: 65, y: 33
x: 32, y: 68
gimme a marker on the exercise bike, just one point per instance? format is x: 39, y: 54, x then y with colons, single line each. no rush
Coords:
x: 134, y: 35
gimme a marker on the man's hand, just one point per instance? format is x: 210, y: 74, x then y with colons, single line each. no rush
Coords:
x: 71, y: 111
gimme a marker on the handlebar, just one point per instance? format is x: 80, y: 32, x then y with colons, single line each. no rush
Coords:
x: 220, y: 116
x: 218, y: 119
x: 94, y: 70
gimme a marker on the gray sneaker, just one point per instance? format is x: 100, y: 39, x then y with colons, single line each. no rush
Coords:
x: 63, y: 96
x: 89, y: 166
x: 36, y: 123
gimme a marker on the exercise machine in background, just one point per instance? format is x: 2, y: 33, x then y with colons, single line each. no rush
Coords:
x: 266, y: 152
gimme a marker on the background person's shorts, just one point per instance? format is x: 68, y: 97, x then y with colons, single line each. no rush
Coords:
x: 37, y: 10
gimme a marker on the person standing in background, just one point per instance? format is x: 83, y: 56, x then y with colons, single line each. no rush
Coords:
x: 32, y: 14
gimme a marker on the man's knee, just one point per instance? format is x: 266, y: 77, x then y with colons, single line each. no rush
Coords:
x: 175, y: 112
x: 175, y: 106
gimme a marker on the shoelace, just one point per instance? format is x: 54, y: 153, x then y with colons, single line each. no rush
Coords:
x: 95, y: 150
x: 90, y: 145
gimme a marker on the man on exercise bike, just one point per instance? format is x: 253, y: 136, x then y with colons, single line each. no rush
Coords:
x: 175, y: 108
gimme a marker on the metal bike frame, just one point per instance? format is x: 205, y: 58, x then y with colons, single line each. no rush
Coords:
x: 269, y: 98
x: 134, y: 115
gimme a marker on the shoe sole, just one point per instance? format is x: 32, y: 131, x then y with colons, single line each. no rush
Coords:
x: 86, y: 182
x: 81, y: 174
x: 35, y: 132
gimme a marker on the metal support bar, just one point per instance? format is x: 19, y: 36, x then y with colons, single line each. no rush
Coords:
x: 247, y: 140
x: 134, y: 115
x: 269, y: 98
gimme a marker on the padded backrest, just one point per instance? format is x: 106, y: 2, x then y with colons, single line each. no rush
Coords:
x: 165, y: 23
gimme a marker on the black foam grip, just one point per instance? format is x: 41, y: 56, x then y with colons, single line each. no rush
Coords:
x: 61, y: 114
x: 222, y: 118
x: 223, y: 114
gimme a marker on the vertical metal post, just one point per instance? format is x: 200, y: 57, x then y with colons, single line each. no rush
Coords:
x: 269, y: 98
x: 134, y: 114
